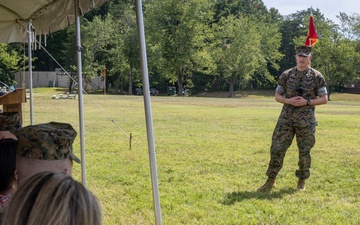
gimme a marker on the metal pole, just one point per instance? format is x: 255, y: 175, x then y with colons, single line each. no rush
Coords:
x: 23, y: 84
x: 29, y: 31
x: 104, y: 81
x: 80, y: 93
x: 148, y: 114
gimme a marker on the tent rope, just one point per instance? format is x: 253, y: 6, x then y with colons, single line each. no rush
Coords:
x: 107, y: 115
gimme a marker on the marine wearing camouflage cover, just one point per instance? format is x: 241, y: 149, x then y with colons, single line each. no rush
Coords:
x: 48, y: 141
x: 10, y: 121
x: 303, y: 50
x: 300, y: 121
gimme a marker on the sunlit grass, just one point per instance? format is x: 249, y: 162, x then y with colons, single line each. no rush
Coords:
x: 211, y: 154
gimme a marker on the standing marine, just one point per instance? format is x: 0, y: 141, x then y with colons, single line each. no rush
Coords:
x: 299, y: 89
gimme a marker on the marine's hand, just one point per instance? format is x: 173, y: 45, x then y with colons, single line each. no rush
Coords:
x: 295, y: 98
x: 299, y: 101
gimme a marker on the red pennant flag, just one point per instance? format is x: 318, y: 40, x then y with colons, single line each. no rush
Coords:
x: 311, y: 38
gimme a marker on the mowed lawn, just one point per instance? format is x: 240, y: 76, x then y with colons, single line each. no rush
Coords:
x: 212, y: 154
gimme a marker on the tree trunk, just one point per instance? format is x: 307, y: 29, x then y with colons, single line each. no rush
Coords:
x: 70, y: 85
x: 121, y: 85
x: 130, y: 82
x: 231, y: 89
x: 329, y: 92
x: 180, y: 84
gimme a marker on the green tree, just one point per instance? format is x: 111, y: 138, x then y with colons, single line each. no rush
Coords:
x: 55, y: 46
x: 124, y: 51
x: 10, y: 62
x: 177, y: 33
x: 97, y: 35
x: 350, y: 26
x: 244, y: 47
x: 238, y: 52
x: 225, y: 8
x: 267, y: 23
x: 339, y: 63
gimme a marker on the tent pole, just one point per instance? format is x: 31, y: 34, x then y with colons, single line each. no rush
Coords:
x: 148, y: 114
x: 80, y: 93
x: 29, y: 32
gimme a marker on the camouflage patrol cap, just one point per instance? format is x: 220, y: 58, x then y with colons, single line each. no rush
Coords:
x: 10, y: 121
x: 303, y: 50
x: 48, y: 141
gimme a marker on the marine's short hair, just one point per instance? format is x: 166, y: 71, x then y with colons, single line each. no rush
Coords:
x: 303, y: 50
x: 47, y: 141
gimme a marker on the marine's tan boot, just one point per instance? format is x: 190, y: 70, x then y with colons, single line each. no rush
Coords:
x: 269, y: 184
x: 301, y: 185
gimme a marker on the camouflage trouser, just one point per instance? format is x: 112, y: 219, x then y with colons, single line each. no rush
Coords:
x: 281, y: 140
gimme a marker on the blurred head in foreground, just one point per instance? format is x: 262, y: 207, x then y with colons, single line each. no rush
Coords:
x: 52, y: 198
x: 8, y: 176
x: 45, y: 147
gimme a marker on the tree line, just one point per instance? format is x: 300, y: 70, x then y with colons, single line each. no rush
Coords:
x: 202, y: 45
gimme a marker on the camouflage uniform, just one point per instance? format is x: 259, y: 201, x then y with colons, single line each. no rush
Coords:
x: 10, y: 121
x: 48, y: 141
x: 296, y: 121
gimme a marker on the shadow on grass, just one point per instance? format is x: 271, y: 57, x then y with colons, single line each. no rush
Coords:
x: 231, y: 198
x: 238, y: 94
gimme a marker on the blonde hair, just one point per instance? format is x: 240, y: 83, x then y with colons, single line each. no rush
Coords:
x: 52, y: 198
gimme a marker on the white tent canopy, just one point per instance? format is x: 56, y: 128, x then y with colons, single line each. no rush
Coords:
x: 46, y: 16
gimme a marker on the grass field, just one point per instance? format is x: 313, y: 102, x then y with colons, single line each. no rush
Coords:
x: 212, y: 154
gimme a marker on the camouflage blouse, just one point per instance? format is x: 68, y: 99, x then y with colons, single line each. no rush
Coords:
x: 309, y: 84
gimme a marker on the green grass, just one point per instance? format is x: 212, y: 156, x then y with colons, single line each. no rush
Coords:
x: 212, y: 154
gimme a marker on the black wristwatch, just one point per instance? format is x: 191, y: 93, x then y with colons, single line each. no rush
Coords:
x: 308, y: 102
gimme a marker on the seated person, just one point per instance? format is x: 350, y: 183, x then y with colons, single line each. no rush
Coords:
x: 45, y: 147
x: 52, y: 198
x: 8, y: 177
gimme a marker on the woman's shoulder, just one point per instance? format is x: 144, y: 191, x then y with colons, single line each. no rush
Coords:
x: 4, y: 200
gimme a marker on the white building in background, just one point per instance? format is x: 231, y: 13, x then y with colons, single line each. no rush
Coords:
x: 52, y: 79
